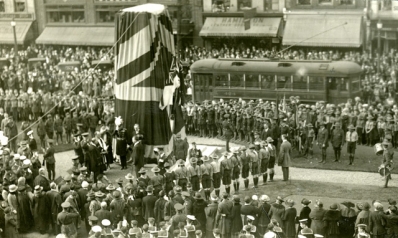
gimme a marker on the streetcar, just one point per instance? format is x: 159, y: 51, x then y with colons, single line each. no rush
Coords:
x: 269, y: 79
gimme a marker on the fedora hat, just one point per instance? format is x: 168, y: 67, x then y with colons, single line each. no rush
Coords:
x: 129, y: 176
x: 142, y: 171
x: 110, y: 187
x: 289, y: 202
x: 351, y: 127
x: 333, y: 206
x: 155, y: 169
x: 198, y: 196
x: 269, y: 140
x: 279, y: 198
x: 149, y: 188
x: 99, y: 194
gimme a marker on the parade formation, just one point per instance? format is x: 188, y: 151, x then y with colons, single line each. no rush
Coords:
x: 166, y: 185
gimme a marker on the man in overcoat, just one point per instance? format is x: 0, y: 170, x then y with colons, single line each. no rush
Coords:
x: 284, y: 157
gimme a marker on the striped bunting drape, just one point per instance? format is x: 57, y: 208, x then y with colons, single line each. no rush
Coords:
x: 143, y: 55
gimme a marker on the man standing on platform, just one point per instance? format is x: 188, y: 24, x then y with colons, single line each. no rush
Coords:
x: 284, y: 157
x: 121, y: 142
x: 180, y: 148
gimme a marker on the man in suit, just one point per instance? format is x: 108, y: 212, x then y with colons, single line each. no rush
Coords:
x: 323, y: 140
x: 223, y: 217
x: 180, y: 148
x: 337, y: 140
x: 284, y: 157
x: 148, y: 203
x: 138, y: 154
x: 42, y: 180
x: 211, y: 212
x: 55, y: 200
x: 248, y: 209
x: 377, y: 221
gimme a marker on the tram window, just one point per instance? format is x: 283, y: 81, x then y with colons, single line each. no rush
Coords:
x: 355, y: 85
x: 222, y: 80
x: 299, y: 82
x: 236, y: 80
x: 339, y: 84
x: 267, y: 82
x: 252, y: 81
x: 202, y: 79
x: 283, y: 82
x: 316, y: 83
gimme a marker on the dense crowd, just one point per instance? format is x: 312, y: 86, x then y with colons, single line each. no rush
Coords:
x: 181, y: 199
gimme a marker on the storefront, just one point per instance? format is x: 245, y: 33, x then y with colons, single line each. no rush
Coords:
x: 267, y: 29
x: 324, y: 30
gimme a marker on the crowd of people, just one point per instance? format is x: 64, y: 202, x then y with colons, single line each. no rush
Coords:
x: 178, y: 200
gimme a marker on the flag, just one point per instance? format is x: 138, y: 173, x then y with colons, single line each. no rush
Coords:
x: 144, y: 54
x: 248, y: 14
x: 171, y: 85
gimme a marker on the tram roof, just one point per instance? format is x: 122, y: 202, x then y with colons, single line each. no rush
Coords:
x: 267, y: 66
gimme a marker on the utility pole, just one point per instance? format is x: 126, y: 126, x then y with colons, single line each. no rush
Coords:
x: 179, y: 16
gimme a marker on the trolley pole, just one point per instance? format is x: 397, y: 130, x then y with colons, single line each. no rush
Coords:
x: 179, y: 18
x: 379, y: 27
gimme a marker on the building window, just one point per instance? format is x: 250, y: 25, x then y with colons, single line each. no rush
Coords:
x: 244, y: 3
x: 347, y: 2
x: 65, y: 14
x: 106, y: 14
x: 325, y: 1
x: 220, y: 6
x: 267, y: 5
x: 19, y: 6
x: 304, y: 2
x: 2, y: 8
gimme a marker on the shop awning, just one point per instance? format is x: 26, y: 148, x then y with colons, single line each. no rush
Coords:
x: 323, y: 30
x: 234, y: 26
x: 90, y: 36
x: 21, y: 30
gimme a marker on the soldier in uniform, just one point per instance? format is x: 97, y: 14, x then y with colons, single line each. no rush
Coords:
x: 387, y: 161
x: 272, y: 156
x: 351, y: 138
x: 323, y: 140
x: 194, y: 152
x: 210, y: 118
x: 67, y: 124
x: 337, y: 141
x: 254, y: 163
x: 32, y: 143
x: 232, y: 113
x: 226, y: 171
x: 264, y: 157
x: 215, y: 164
x: 238, y: 127
x: 236, y: 165
x: 227, y: 130
x: 308, y: 151
x: 180, y: 148
x: 202, y: 122
x: 249, y: 127
x: 194, y: 174
x: 206, y: 172
x: 182, y: 175
x: 50, y: 160
x: 245, y: 166
x: 78, y: 148
x: 66, y: 219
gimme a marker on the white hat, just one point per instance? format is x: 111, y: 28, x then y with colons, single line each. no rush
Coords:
x: 190, y: 217
x: 4, y: 140
x: 60, y: 236
x: 255, y: 197
x: 85, y: 184
x: 301, y: 236
x: 1, y: 152
x: 17, y: 156
x: 105, y: 222
x: 27, y: 162
x: 29, y: 133
x: 250, y: 217
x: 96, y: 229
x: 23, y: 157
x: 265, y: 198
x: 270, y: 234
x: 317, y: 235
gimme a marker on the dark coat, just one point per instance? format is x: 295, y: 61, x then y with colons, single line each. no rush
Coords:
x: 211, y: 212
x: 246, y: 210
x: 285, y: 150
x: 316, y: 216
x: 331, y: 220
x: 11, y: 226
x: 121, y: 143
x: 138, y: 154
x: 160, y: 205
x: 41, y: 211
x: 43, y: 182
x: 276, y: 212
x: 263, y: 219
x: 377, y: 223
x: 304, y: 214
x: 148, y: 206
x: 289, y: 220
x: 223, y: 218
x: 236, y: 221
x: 199, y: 212
x: 323, y: 138
x: 103, y: 214
x: 337, y: 137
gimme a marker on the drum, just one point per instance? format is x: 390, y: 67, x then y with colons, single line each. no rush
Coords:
x: 378, y: 149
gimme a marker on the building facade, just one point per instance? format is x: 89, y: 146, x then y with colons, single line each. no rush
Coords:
x: 21, y: 13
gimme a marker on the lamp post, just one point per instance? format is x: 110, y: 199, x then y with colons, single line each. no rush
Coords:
x: 13, y: 24
x: 379, y: 26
